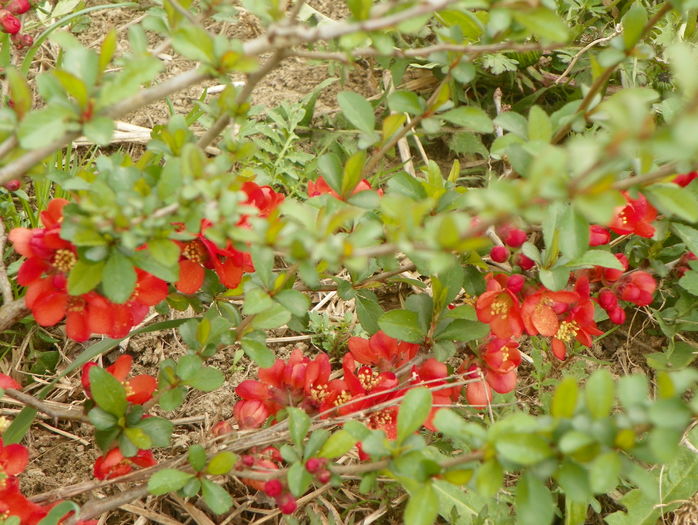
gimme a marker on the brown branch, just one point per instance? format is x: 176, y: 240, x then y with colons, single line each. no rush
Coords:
x: 5, y: 285
x: 660, y: 173
x: 55, y: 413
x: 12, y: 312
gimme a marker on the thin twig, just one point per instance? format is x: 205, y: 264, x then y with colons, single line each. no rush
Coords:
x: 586, y: 48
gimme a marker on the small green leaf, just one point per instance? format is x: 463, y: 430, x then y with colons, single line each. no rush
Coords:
x: 168, y: 480
x: 273, y: 317
x: 469, y: 117
x: 405, y: 102
x: 139, y: 438
x: 107, y: 391
x: 158, y: 429
x: 99, y: 130
x: 197, y: 457
x: 351, y: 176
x: 56, y: 514
x: 604, y: 472
x: 524, y: 449
x: 597, y: 258
x: 193, y: 42
x: 358, y: 111
x: 206, y: 379
x: 258, y: 352
x: 299, y: 424
x: 84, y: 277
x: 403, y: 325
x: 41, y: 127
x: 534, y: 503
x: 687, y: 234
x: 540, y: 126
x: 121, y: 277
x: 633, y: 23
x: 565, y: 398
x: 294, y: 301
x: 574, y: 233
x: 337, y: 445
x: 543, y: 23
x: 600, y: 393
x: 414, y: 411
x: 222, y: 463
x: 423, y: 506
x: 215, y: 496
x: 164, y: 251
x: 673, y: 200
x: 298, y: 479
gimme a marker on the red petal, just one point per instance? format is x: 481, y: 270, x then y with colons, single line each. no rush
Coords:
x: 14, y: 459
x: 251, y: 389
x: 53, y: 215
x: 99, y: 316
x: 478, y: 394
x: 250, y: 413
x: 143, y: 387
x: 501, y: 383
x: 150, y: 290
x: 228, y: 272
x: 360, y: 348
x: 545, y: 320
x: 559, y: 349
x: 191, y: 277
x: 49, y: 309
x: 7, y: 382
x: 121, y: 367
x: 76, y: 326
x: 20, y: 238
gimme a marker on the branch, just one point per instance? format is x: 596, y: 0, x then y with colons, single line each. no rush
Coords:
x: 12, y: 312
x: 5, y: 285
x: 55, y: 413
x: 664, y: 171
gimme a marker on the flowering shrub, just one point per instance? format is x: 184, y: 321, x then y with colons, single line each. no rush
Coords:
x: 488, y: 236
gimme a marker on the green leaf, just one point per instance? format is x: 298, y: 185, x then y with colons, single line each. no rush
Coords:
x: 121, y: 277
x: 99, y: 130
x: 84, y: 277
x: 574, y: 233
x: 164, y: 251
x: 402, y: 325
x: 540, y: 126
x: 193, y: 42
x: 57, y: 513
x: 298, y: 424
x: 273, y: 317
x: 604, y: 472
x: 689, y: 282
x: 423, y: 506
x: 534, y: 503
x: 351, y: 176
x: 600, y: 393
x: 294, y: 301
x: 633, y: 23
x: 206, y: 379
x: 215, y: 496
x: 405, y: 102
x: 565, y: 398
x: 197, y: 457
x: 337, y: 445
x: 462, y: 330
x: 414, y: 411
x: 597, y: 258
x: 222, y: 463
x: 358, y: 111
x: 687, y: 234
x: 138, y: 437
x: 258, y: 352
x: 41, y: 127
x: 168, y: 480
x: 298, y: 479
x: 107, y: 391
x: 20, y: 92
x: 469, y: 117
x: 524, y: 449
x: 101, y: 419
x: 673, y: 200
x: 543, y: 23
x: 158, y: 429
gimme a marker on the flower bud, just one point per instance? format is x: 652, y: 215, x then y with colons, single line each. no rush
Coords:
x: 524, y: 262
x: 221, y: 428
x: 18, y: 7
x: 515, y: 282
x: 607, y: 300
x: 12, y: 185
x: 323, y: 476
x: 287, y: 503
x: 9, y: 23
x: 313, y: 465
x: 515, y: 237
x: 247, y: 460
x: 499, y: 254
x: 617, y: 315
x: 598, y: 235
x: 273, y: 488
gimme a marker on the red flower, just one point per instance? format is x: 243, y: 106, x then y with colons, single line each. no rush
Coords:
x: 431, y: 374
x: 139, y: 389
x: 382, y: 351
x: 13, y: 503
x: 540, y: 311
x: 113, y: 464
x: 636, y: 217
x: 500, y: 308
x: 299, y: 381
x: 638, y: 288
x: 13, y: 459
x: 364, y: 387
x: 320, y: 187
x: 478, y: 393
x: 264, y: 198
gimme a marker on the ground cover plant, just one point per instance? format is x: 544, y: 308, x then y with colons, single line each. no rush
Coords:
x: 376, y: 261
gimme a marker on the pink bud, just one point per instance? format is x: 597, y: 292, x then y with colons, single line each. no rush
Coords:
x: 524, y: 262
x: 607, y: 300
x: 9, y: 23
x: 499, y: 254
x: 515, y: 237
x: 611, y: 274
x: 515, y: 282
x: 314, y: 464
x: 13, y: 185
x: 598, y: 235
x: 273, y: 488
x: 617, y: 315
x: 247, y: 460
x: 323, y: 476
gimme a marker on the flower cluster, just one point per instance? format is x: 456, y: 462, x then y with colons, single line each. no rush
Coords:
x: 13, y: 461
x: 45, y: 274
x: 10, y: 22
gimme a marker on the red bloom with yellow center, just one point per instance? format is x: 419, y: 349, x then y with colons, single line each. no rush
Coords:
x: 635, y: 217
x: 500, y: 308
x: 113, y: 464
x: 382, y: 351
x: 139, y: 389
